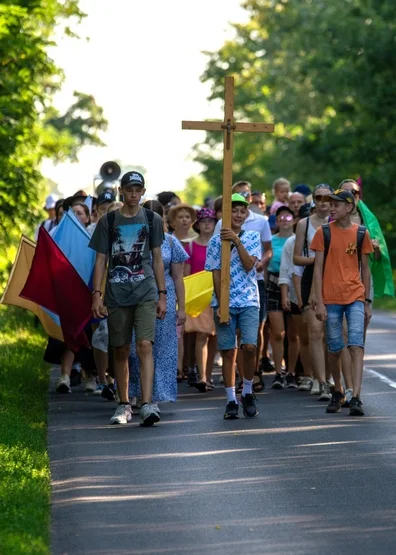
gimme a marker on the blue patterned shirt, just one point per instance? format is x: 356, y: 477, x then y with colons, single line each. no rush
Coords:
x: 243, y: 284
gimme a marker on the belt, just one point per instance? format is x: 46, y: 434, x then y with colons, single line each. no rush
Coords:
x: 274, y: 278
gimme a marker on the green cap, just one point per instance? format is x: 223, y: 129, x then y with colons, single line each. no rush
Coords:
x: 236, y: 197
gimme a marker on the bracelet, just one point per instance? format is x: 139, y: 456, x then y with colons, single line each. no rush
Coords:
x: 97, y: 291
x: 238, y: 245
x: 368, y: 301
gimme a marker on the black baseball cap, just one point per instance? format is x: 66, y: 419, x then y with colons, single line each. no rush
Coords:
x: 284, y: 208
x: 107, y: 196
x: 132, y: 178
x: 343, y: 196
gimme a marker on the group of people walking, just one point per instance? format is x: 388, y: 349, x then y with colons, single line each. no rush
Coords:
x: 303, y: 275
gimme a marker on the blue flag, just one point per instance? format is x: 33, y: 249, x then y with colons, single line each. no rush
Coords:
x: 73, y: 239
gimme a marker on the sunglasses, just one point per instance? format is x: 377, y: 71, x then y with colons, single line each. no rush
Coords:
x: 245, y: 195
x: 285, y: 218
x: 320, y: 198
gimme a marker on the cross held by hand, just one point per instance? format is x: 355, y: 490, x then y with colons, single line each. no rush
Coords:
x: 228, y: 126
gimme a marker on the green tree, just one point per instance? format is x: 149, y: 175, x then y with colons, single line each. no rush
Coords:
x: 195, y: 190
x: 30, y: 128
x: 323, y: 71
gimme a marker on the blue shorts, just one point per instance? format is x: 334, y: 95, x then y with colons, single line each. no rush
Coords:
x: 246, y: 320
x: 263, y: 300
x: 354, y: 314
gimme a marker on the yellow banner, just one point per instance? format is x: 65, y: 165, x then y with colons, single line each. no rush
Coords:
x: 17, y: 280
x: 199, y: 289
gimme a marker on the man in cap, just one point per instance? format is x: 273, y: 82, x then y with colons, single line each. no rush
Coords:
x: 131, y: 238
x: 49, y: 223
x: 342, y: 288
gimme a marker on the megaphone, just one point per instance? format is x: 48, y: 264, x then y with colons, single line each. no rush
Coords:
x: 109, y: 173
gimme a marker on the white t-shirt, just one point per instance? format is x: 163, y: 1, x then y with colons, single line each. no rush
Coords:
x: 254, y: 222
x: 243, y: 284
x: 287, y: 268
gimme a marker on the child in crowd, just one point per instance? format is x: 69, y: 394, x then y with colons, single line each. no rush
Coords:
x: 244, y: 305
x: 281, y: 191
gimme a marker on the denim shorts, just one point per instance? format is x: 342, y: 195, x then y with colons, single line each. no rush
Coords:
x: 246, y: 320
x: 354, y: 314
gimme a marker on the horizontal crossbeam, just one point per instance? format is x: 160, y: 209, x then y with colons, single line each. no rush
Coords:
x: 219, y: 126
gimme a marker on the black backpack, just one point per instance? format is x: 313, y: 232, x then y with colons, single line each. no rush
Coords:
x: 361, y: 232
x: 111, y: 220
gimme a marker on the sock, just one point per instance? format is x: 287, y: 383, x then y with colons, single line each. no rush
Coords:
x: 247, y: 387
x: 230, y: 392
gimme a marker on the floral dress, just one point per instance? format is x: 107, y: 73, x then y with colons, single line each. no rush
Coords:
x: 165, y: 345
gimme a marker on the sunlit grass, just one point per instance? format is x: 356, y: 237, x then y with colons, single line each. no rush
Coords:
x: 24, y: 465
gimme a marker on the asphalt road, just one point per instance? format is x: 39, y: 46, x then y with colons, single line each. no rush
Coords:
x: 294, y: 480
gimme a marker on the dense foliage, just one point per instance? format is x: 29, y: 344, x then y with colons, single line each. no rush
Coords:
x: 324, y: 72
x: 30, y: 127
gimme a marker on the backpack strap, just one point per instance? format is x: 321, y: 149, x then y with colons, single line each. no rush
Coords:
x: 150, y: 219
x: 111, y: 230
x: 361, y: 233
x: 326, y: 240
x: 306, y: 250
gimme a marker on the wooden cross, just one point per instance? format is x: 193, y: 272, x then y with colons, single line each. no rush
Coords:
x: 228, y: 126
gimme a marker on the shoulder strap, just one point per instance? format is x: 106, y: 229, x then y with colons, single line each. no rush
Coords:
x: 239, y: 235
x: 326, y: 240
x: 150, y: 219
x: 306, y: 250
x: 111, y: 229
x: 361, y: 233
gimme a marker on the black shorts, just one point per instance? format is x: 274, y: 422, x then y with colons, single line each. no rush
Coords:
x: 274, y: 302
x: 263, y: 300
x: 306, y: 284
x: 294, y: 310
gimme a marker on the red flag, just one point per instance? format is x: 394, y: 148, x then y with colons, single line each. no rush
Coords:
x: 54, y: 284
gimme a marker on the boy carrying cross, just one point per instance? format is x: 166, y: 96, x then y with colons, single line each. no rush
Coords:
x: 342, y: 287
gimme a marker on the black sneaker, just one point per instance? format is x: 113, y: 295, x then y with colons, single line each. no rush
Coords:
x: 335, y: 404
x: 278, y: 382
x: 355, y: 407
x: 231, y: 411
x: 249, y: 405
x: 266, y: 365
x: 75, y: 377
x: 108, y: 392
x: 291, y: 381
x: 192, y: 377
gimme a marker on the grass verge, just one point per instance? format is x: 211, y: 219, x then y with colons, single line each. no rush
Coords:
x: 24, y: 464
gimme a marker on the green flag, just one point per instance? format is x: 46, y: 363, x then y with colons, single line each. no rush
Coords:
x: 381, y: 269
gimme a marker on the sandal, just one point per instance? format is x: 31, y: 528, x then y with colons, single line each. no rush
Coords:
x: 258, y: 386
x: 179, y: 376
x: 201, y: 386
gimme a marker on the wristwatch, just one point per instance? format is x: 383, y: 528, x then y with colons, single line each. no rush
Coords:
x: 163, y: 291
x: 368, y: 301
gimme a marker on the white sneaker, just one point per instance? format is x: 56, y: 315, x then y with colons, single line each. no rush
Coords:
x: 156, y: 408
x: 149, y: 415
x: 122, y: 415
x: 315, y: 388
x: 218, y: 360
x: 324, y: 392
x: 348, y: 397
x: 63, y: 385
x: 305, y: 385
x: 90, y: 384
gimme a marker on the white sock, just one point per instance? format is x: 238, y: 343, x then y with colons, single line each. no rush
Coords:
x: 230, y: 392
x: 247, y: 387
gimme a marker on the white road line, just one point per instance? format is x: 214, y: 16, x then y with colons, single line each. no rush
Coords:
x: 380, y: 376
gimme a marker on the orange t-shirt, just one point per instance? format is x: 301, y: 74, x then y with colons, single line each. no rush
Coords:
x: 342, y: 282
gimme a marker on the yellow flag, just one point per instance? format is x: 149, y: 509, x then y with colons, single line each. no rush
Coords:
x: 199, y: 289
x: 16, y: 282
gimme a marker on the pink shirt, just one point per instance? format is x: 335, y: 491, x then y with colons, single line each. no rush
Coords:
x: 275, y: 205
x: 197, y: 254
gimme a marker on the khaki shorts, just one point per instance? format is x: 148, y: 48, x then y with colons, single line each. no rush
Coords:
x: 122, y: 320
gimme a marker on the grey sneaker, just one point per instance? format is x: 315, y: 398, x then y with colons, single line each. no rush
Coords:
x: 305, y: 385
x: 324, y: 392
x: 149, y: 415
x: 122, y: 415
